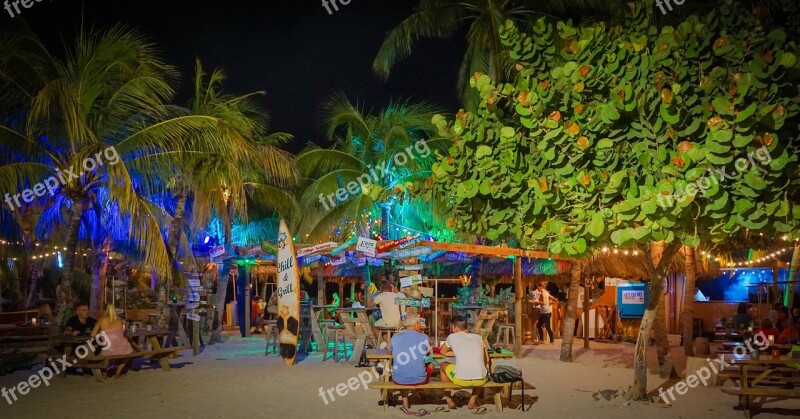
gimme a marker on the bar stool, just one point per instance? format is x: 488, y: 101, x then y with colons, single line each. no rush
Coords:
x: 273, y: 336
x: 323, y: 327
x: 335, y: 333
x: 505, y: 336
x: 388, y: 331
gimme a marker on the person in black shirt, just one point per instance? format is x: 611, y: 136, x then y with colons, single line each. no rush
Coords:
x: 81, y: 323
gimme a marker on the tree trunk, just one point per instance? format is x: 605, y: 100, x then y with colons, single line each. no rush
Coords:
x: 385, y: 221
x: 572, y: 310
x: 588, y: 285
x: 175, y: 228
x: 65, y: 289
x: 657, y: 275
x: 222, y: 287
x: 788, y: 298
x: 219, y: 304
x: 687, y: 315
x: 665, y: 363
x: 31, y: 280
x: 474, y: 281
x: 99, y: 270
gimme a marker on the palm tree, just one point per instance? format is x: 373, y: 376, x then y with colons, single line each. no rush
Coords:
x: 106, y: 101
x: 391, y: 152
x: 252, y: 164
x: 441, y: 19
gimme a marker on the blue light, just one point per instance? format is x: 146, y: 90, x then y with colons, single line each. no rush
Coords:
x: 59, y: 261
x: 207, y: 239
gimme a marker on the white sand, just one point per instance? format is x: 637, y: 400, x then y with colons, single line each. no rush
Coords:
x: 236, y: 380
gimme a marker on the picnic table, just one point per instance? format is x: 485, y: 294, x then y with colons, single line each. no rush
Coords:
x: 96, y: 362
x: 382, y: 356
x: 358, y: 328
x: 765, y: 377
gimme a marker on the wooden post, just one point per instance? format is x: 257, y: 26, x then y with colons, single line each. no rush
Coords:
x: 588, y: 284
x: 195, y: 338
x: 518, y: 290
x: 247, y: 307
x: 776, y: 290
x: 321, y: 283
x: 341, y: 289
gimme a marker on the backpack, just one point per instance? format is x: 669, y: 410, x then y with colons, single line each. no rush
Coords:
x: 507, y: 374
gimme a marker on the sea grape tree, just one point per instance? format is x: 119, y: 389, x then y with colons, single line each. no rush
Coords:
x: 620, y: 134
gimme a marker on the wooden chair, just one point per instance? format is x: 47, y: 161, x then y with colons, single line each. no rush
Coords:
x: 505, y: 336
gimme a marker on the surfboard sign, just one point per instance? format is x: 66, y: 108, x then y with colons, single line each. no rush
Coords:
x: 288, y: 295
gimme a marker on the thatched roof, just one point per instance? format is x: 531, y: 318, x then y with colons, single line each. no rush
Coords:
x: 633, y: 266
x: 490, y: 268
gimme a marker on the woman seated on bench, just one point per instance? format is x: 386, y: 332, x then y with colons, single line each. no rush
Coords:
x: 117, y: 343
x: 472, y: 361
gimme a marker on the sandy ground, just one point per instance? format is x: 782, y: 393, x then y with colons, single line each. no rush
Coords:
x: 235, y: 380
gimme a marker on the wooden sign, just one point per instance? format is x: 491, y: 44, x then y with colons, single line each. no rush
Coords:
x: 343, y: 246
x: 406, y: 253
x: 410, y: 280
x: 413, y: 302
x: 410, y: 242
x: 193, y: 296
x: 316, y: 248
x: 341, y: 261
x: 408, y: 268
x: 367, y: 246
x: 308, y: 260
x: 193, y: 317
x: 194, y: 282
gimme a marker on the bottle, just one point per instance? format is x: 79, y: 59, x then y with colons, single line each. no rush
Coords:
x: 422, y: 322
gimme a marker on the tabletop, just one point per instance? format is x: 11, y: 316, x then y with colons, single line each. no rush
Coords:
x: 494, y: 355
x: 783, y: 360
x: 353, y: 310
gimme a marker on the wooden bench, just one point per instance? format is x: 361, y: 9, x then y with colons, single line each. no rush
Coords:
x: 96, y: 363
x: 386, y: 387
x: 764, y: 378
x: 747, y: 393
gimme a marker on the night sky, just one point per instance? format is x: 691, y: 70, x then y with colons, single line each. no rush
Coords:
x: 291, y: 49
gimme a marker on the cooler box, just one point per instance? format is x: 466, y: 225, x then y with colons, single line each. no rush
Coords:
x: 632, y: 299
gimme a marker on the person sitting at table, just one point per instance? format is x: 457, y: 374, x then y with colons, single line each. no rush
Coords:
x: 335, y: 304
x: 390, y: 311
x: 115, y: 336
x: 81, y: 323
x: 410, y: 369
x: 773, y: 314
x: 782, y: 321
x: 472, y: 361
x: 742, y: 318
x: 767, y: 328
x: 790, y: 334
x: 256, y: 313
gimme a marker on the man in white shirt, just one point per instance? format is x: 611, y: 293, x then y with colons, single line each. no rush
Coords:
x: 390, y: 310
x: 472, y: 361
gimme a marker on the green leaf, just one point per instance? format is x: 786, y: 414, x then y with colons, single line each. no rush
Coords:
x: 597, y: 225
x: 507, y: 132
x: 483, y: 151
